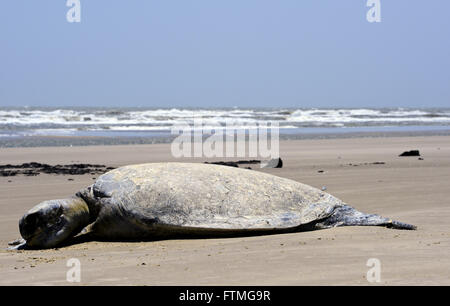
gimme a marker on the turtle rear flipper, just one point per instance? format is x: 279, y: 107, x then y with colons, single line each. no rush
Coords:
x: 400, y: 225
x: 345, y: 215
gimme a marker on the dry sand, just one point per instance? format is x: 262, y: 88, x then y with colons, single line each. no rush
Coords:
x: 404, y: 188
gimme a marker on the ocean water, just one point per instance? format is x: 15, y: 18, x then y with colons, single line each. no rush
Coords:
x: 143, y: 122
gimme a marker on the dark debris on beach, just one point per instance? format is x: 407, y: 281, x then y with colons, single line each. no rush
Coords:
x: 410, y: 153
x: 33, y: 169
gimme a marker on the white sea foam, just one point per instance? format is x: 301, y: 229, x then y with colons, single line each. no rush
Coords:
x: 70, y: 121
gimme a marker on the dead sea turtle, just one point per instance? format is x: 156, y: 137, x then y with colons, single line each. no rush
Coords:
x: 164, y: 200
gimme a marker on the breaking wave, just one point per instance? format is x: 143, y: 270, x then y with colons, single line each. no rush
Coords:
x: 42, y: 121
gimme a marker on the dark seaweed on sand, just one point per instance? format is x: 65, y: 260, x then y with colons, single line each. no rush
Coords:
x: 33, y: 169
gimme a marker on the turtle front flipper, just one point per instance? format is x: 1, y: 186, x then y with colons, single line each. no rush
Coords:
x: 344, y: 215
x: 18, y: 244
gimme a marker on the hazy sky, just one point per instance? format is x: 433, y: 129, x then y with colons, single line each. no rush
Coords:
x: 210, y: 53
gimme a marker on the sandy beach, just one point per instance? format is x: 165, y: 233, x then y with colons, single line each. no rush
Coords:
x: 367, y: 173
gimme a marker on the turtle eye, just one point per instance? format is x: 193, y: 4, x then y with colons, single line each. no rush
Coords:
x: 56, y: 221
x: 59, y: 220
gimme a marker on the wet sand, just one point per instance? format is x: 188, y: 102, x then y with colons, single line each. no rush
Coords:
x: 364, y: 172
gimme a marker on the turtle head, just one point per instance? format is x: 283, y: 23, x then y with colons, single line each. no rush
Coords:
x: 51, y: 222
